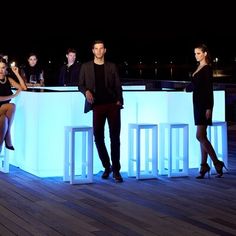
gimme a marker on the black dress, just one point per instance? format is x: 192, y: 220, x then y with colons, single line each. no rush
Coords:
x: 5, y: 90
x: 202, y: 88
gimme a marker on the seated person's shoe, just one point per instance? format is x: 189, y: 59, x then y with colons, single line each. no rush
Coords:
x: 117, y: 177
x: 106, y: 173
x: 9, y: 147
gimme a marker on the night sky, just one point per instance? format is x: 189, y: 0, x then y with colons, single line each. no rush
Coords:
x: 131, y: 32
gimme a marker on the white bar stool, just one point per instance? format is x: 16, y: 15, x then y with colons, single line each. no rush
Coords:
x: 173, y: 155
x: 86, y: 175
x: 149, y: 160
x: 4, y: 158
x: 217, y: 135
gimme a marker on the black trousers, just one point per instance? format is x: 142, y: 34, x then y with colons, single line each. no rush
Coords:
x: 111, y: 113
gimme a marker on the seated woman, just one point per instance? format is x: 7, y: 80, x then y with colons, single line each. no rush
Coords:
x: 7, y: 109
x: 32, y: 73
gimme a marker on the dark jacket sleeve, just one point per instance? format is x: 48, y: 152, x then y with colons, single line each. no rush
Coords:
x: 118, y: 86
x: 113, y: 81
x: 85, y: 83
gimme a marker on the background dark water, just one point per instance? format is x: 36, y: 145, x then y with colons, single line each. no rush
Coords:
x: 148, y: 35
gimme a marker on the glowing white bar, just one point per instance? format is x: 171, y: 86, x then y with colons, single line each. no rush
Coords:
x: 38, y: 127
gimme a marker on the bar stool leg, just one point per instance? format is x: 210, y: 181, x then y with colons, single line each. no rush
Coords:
x: 4, y: 167
x: 131, y: 159
x: 138, y: 154
x: 66, y: 157
x: 90, y: 157
x: 72, y: 158
x: 217, y: 135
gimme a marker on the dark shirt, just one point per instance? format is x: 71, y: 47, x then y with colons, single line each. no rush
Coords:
x: 102, y: 95
x: 69, y: 75
x: 28, y: 70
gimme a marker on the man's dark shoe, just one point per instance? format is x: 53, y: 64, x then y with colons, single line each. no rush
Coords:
x: 106, y: 173
x: 117, y: 177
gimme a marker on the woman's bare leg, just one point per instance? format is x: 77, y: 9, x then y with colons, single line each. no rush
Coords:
x: 206, y: 147
x: 9, y: 109
x: 3, y: 129
x: 203, y: 154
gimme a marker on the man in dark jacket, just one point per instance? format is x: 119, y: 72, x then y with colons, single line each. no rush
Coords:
x: 69, y: 72
x: 100, y: 83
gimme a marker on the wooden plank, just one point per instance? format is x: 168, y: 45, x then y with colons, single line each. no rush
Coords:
x: 30, y: 205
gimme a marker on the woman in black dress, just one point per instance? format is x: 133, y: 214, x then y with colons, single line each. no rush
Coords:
x: 202, y: 88
x: 7, y: 109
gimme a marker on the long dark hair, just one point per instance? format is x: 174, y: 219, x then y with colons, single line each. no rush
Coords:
x: 3, y: 60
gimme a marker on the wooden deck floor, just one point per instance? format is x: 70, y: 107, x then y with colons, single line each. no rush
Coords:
x: 167, y: 206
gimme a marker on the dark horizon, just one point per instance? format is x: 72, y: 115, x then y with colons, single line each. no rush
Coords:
x: 140, y: 32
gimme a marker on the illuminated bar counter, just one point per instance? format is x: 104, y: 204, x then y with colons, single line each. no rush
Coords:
x: 42, y: 113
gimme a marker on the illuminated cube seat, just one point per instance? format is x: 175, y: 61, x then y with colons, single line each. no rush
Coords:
x: 86, y: 149
x: 142, y: 153
x: 173, y: 149
x: 217, y: 135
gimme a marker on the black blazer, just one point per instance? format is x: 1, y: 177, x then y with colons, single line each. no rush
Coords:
x: 112, y: 81
x: 74, y: 75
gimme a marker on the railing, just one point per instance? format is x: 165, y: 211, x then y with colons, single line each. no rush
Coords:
x: 176, y: 72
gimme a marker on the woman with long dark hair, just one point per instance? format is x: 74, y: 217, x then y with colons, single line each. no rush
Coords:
x: 7, y: 108
x: 202, y: 88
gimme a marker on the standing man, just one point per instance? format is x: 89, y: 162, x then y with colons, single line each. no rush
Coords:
x: 99, y: 81
x: 69, y: 72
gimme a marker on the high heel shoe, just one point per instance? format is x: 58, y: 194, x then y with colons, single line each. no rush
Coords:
x: 205, y: 168
x: 9, y: 147
x: 219, y: 165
